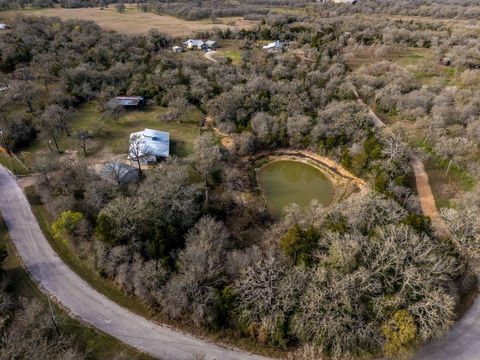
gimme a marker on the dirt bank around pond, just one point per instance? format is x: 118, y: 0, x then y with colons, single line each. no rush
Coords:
x: 344, y: 182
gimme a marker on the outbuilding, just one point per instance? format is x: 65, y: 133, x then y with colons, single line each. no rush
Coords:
x: 212, y: 45
x: 130, y: 101
x: 3, y: 26
x: 119, y: 173
x: 177, y: 49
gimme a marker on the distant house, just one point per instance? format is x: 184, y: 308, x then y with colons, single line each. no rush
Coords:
x: 130, y: 101
x: 118, y: 172
x: 177, y: 49
x: 148, y: 146
x: 275, y: 46
x: 445, y: 61
x: 193, y: 44
x: 200, y: 44
x: 212, y: 45
x: 3, y: 26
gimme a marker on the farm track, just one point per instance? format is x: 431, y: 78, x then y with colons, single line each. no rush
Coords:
x: 424, y: 190
x: 462, y: 342
x: 56, y: 279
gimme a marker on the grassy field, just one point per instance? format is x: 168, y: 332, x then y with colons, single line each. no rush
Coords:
x: 111, y: 139
x: 410, y: 57
x: 133, y: 21
x: 98, y: 345
x: 230, y: 49
x: 12, y: 164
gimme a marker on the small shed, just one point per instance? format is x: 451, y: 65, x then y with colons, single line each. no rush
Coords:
x: 149, y: 146
x: 118, y: 172
x: 177, y: 49
x: 3, y: 26
x: 130, y: 101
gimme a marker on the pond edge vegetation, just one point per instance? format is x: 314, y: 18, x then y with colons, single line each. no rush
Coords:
x: 343, y: 182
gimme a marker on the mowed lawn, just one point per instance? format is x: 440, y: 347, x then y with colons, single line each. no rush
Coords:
x: 135, y: 22
x: 112, y: 138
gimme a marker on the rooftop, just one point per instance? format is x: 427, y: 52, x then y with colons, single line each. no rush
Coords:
x: 154, y: 142
x: 129, y: 100
x: 119, y: 171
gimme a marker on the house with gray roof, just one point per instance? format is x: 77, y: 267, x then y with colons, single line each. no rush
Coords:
x: 118, y: 172
x: 130, y: 101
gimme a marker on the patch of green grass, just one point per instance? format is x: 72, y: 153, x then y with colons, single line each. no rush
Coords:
x: 235, y: 55
x: 98, y: 345
x: 12, y: 164
x: 113, y: 137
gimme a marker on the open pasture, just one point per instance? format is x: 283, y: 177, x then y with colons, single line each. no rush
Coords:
x: 134, y: 21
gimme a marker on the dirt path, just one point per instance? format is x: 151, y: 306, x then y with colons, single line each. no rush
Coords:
x: 425, y: 194
x: 209, y: 56
x: 225, y: 139
x: 427, y: 200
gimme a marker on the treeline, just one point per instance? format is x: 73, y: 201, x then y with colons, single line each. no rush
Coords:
x: 27, y: 330
x: 443, y: 9
x: 39, y: 4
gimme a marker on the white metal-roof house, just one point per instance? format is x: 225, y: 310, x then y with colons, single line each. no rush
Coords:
x: 3, y: 26
x: 149, y: 145
x: 193, y: 43
x: 276, y: 45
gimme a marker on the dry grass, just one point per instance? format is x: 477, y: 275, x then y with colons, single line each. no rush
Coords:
x: 135, y: 22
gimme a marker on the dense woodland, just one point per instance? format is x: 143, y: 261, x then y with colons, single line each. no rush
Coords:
x: 26, y: 329
x: 364, y: 276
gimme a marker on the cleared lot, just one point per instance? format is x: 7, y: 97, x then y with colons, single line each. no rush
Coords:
x: 135, y: 22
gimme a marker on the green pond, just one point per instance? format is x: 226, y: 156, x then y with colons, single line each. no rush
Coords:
x: 287, y: 181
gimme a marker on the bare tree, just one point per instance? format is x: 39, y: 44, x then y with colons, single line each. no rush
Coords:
x: 114, y: 110
x: 138, y: 149
x: 206, y: 158
x: 83, y: 136
x: 23, y: 91
x: 201, y: 266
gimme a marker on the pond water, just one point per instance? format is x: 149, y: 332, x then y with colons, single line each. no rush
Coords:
x: 287, y: 181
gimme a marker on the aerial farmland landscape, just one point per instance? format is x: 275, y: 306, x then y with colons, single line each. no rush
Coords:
x: 228, y: 179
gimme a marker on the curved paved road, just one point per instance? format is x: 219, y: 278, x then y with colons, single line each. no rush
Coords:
x: 461, y: 343
x: 81, y: 299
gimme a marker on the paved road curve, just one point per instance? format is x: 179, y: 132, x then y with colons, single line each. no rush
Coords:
x: 81, y: 299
